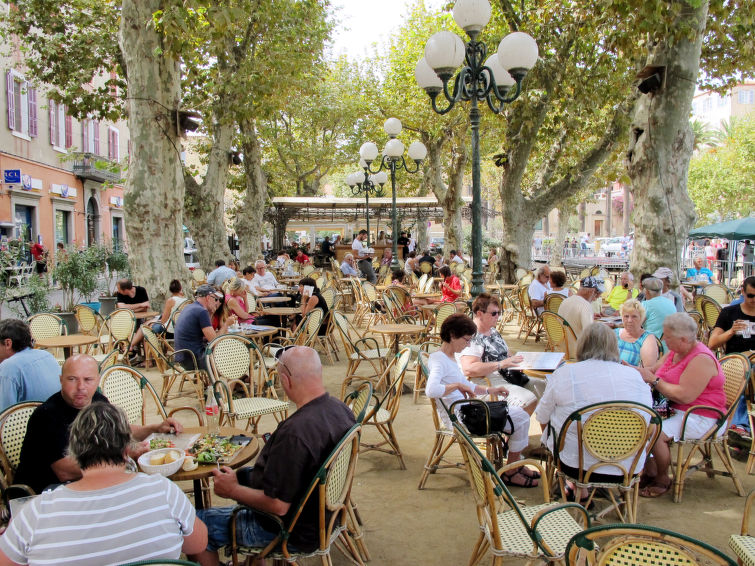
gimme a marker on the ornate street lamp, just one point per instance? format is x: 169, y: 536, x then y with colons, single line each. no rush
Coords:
x: 366, y: 184
x: 490, y: 79
x: 393, y: 158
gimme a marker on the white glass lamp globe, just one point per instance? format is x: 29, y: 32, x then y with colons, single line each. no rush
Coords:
x: 417, y: 151
x: 394, y: 148
x: 472, y: 15
x: 517, y: 53
x: 392, y: 127
x: 426, y: 77
x: 380, y: 178
x: 363, y: 164
x: 444, y: 53
x: 503, y: 80
x: 368, y: 151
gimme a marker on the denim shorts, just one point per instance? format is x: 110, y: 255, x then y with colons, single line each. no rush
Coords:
x: 249, y: 532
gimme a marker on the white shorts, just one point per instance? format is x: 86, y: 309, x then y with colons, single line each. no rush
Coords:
x: 518, y: 396
x: 697, y: 426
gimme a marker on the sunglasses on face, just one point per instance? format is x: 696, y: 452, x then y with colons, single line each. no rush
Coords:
x: 494, y: 313
x: 750, y: 295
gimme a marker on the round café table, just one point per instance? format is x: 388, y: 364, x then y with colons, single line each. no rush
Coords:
x: 141, y: 315
x: 204, y: 471
x: 68, y: 342
x: 256, y: 335
x: 396, y: 331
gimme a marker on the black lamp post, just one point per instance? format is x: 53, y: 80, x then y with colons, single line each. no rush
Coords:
x: 481, y: 79
x: 393, y: 158
x: 366, y: 184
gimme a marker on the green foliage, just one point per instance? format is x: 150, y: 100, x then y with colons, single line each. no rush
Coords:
x: 77, y: 271
x: 721, y: 179
x: 38, y: 299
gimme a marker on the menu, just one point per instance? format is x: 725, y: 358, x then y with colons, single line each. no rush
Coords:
x: 539, y: 360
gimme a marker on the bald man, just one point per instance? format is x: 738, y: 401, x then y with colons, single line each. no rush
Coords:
x: 286, y: 465
x: 43, y: 455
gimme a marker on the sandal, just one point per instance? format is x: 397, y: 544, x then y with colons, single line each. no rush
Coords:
x: 528, y: 481
x: 525, y: 471
x: 655, y: 489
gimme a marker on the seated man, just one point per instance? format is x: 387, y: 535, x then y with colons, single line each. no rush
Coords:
x: 453, y: 257
x: 44, y: 459
x: 194, y: 327
x: 286, y: 465
x: 348, y: 266
x: 427, y: 258
x: 364, y: 255
x: 698, y: 272
x: 539, y: 287
x: 134, y: 298
x: 220, y: 274
x: 264, y: 283
x: 25, y: 374
x: 620, y: 293
x: 577, y: 309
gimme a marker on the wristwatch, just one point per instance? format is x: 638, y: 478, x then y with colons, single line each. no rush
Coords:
x: 655, y: 383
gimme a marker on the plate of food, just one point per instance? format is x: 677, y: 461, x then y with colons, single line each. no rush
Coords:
x: 213, y: 448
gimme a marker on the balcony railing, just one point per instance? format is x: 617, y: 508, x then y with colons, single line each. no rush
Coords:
x: 96, y: 168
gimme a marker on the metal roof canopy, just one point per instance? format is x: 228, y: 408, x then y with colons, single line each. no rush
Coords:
x: 353, y: 209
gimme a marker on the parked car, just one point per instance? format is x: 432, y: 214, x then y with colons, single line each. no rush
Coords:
x: 437, y: 243
x: 610, y: 247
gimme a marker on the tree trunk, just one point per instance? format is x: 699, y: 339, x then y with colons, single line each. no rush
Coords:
x: 249, y: 217
x: 518, y: 226
x: 565, y: 213
x: 154, y: 195
x: 660, y: 150
x: 205, y: 206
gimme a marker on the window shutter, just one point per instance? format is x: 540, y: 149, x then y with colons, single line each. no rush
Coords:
x: 69, y: 131
x: 116, y: 145
x: 85, y: 135
x: 11, y: 100
x: 51, y: 111
x: 113, y: 140
x: 32, y: 96
x: 96, y: 137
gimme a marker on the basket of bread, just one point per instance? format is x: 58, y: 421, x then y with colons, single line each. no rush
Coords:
x: 165, y: 461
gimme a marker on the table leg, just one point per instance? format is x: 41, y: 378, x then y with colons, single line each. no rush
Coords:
x: 395, y: 344
x: 198, y: 497
x: 67, y: 351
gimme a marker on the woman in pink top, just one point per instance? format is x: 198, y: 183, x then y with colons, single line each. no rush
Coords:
x: 235, y: 298
x: 688, y: 375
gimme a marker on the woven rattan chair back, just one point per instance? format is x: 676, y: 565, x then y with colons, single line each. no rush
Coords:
x: 394, y: 376
x: 525, y: 279
x: 718, y: 293
x: 313, y: 322
x: 359, y: 401
x: 13, y: 421
x: 441, y: 314
x: 553, y: 301
x: 123, y: 385
x: 558, y: 333
x: 421, y: 282
x: 121, y: 323
x: 736, y: 369
x: 329, y: 295
x: 198, y: 276
x: 710, y: 310
x: 306, y: 270
x: 625, y: 545
x: 426, y: 267
x: 229, y: 357
x: 108, y: 361
x: 251, y: 302
x: 46, y: 325
x: 88, y: 320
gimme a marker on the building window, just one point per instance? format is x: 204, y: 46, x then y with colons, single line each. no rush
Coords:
x: 62, y: 226
x: 113, y: 139
x: 90, y: 132
x: 22, y: 105
x: 60, y: 126
x: 746, y: 96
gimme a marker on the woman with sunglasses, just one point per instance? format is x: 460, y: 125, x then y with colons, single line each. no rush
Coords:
x: 447, y: 382
x: 487, y: 356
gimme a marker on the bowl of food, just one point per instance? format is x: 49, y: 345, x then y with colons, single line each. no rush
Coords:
x: 165, y: 461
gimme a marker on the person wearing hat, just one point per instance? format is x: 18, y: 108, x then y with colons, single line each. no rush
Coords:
x: 666, y: 276
x: 577, y: 310
x: 657, y: 307
x: 193, y: 330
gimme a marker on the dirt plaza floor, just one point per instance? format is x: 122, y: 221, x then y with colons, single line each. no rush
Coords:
x: 438, y: 524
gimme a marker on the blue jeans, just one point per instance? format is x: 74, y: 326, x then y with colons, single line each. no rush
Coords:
x: 248, y: 530
x: 740, y: 414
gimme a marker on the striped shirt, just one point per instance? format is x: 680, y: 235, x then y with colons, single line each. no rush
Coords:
x: 144, y: 518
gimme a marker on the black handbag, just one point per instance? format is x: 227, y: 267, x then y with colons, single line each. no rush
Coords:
x: 514, y: 377
x: 486, y: 417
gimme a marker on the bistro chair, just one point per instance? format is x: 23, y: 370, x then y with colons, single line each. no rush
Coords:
x: 331, y: 488
x: 718, y: 293
x: 558, y: 334
x: 108, y: 361
x: 531, y: 323
x: 420, y: 365
x: 363, y: 349
x: 553, y: 301
x: 170, y: 369
x: 359, y: 401
x: 232, y: 361
x: 304, y: 335
x: 198, y: 277
x: 611, y: 433
x: 13, y: 421
x: 710, y: 309
x: 89, y: 322
x: 437, y: 316
x: 736, y: 369
x: 384, y: 412
x: 47, y: 325
x: 535, y: 532
x: 116, y: 332
x: 620, y: 545
x: 743, y: 544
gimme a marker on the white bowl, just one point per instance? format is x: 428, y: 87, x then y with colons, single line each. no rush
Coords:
x: 163, y: 469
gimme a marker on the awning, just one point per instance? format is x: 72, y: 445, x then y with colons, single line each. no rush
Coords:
x: 742, y: 229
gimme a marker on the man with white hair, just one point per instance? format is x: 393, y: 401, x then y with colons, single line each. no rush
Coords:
x: 540, y: 287
x: 698, y: 272
x: 347, y: 266
x: 620, y: 293
x: 286, y: 465
x: 263, y: 283
x: 668, y: 279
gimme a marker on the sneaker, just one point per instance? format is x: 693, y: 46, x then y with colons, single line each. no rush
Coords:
x: 740, y: 431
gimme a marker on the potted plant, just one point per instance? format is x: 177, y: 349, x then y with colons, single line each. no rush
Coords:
x: 76, y: 272
x: 117, y: 265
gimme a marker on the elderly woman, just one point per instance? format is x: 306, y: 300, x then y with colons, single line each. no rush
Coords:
x: 387, y: 257
x: 109, y: 515
x: 447, y: 382
x: 637, y: 346
x: 657, y: 307
x: 688, y: 375
x: 597, y: 377
x: 558, y: 280
x: 488, y: 355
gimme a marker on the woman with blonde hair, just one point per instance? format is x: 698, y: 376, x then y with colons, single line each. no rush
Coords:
x: 637, y: 346
x: 235, y: 299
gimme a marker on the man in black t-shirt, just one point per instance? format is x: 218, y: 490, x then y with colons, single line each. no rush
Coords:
x: 403, y: 241
x: 134, y: 298
x: 735, y: 331
x: 286, y: 465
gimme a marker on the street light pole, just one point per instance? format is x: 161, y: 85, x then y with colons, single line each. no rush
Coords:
x: 366, y: 186
x: 393, y: 158
x: 490, y: 79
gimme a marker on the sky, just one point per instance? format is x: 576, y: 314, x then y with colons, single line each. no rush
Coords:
x: 363, y: 23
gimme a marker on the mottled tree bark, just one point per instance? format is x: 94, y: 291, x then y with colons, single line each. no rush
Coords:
x: 661, y: 147
x: 154, y: 195
x: 249, y: 216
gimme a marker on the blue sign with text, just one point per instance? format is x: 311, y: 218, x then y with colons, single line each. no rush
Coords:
x: 12, y: 176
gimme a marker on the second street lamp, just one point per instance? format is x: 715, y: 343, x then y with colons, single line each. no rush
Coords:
x: 366, y: 185
x: 488, y: 79
x: 393, y: 159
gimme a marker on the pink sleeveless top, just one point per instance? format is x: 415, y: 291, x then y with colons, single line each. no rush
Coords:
x: 242, y: 303
x: 713, y: 395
